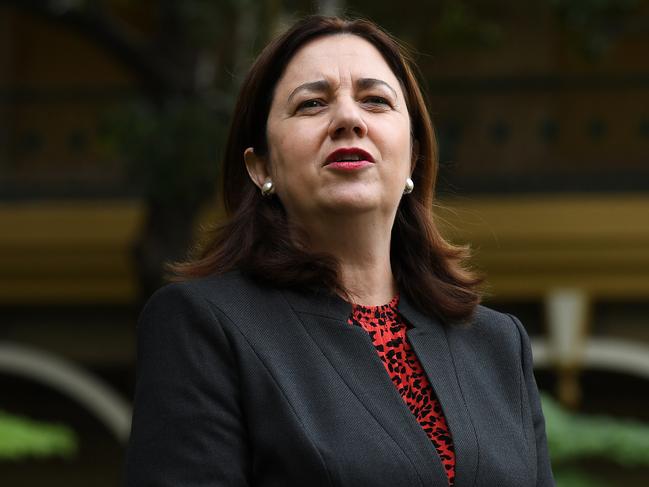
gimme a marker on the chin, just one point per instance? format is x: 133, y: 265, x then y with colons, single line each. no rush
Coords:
x: 353, y: 204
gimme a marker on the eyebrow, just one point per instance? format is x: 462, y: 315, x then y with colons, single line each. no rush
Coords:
x: 366, y: 83
x: 323, y: 85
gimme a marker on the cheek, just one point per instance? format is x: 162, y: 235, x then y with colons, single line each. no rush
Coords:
x: 293, y: 151
x: 285, y: 158
x: 291, y: 169
x: 397, y: 147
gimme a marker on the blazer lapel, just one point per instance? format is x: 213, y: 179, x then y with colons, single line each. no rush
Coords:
x: 429, y: 340
x: 351, y: 352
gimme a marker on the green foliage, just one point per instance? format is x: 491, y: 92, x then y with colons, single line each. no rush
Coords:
x: 21, y: 438
x: 570, y: 476
x: 573, y: 437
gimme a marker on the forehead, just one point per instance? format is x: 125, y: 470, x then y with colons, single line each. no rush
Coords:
x: 339, y: 58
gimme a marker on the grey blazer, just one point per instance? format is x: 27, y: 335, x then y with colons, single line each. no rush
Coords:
x: 244, y: 385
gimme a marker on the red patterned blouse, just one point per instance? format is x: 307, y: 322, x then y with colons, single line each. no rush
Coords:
x: 388, y: 333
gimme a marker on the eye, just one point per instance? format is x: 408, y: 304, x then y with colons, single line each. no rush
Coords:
x: 310, y: 104
x: 377, y: 101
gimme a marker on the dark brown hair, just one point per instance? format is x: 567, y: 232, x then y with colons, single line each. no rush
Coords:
x: 257, y: 237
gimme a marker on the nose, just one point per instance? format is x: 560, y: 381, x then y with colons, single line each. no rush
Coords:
x: 347, y: 119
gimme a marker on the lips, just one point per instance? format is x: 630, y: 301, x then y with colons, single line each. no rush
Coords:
x: 351, y: 154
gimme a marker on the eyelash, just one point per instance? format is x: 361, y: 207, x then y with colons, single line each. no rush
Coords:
x: 381, y: 101
x: 304, y: 103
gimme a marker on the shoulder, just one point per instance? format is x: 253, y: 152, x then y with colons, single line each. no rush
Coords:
x: 488, y: 320
x: 211, y: 291
x: 227, y: 301
x: 198, y: 316
x: 492, y: 332
x: 189, y: 300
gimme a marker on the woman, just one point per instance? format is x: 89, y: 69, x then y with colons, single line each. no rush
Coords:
x: 329, y: 335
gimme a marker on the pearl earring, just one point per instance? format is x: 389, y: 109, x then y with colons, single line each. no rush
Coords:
x: 410, y: 185
x: 267, y: 188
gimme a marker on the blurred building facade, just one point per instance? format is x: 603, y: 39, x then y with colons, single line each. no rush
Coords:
x: 543, y: 123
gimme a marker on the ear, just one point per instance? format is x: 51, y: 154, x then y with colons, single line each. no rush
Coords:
x: 256, y: 166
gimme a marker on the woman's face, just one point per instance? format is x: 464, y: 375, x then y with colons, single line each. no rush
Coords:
x: 338, y: 132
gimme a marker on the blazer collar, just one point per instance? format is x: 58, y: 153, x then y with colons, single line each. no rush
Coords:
x: 327, y: 304
x: 320, y: 302
x: 432, y: 341
x: 352, y: 354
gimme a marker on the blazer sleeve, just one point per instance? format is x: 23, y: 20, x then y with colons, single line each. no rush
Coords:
x: 187, y: 424
x: 544, y: 468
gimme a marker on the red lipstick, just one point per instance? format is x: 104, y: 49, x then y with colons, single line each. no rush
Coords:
x: 349, y: 159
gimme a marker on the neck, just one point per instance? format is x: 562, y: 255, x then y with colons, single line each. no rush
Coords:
x: 361, y: 244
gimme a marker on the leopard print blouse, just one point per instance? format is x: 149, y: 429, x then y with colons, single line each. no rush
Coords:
x: 387, y: 330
